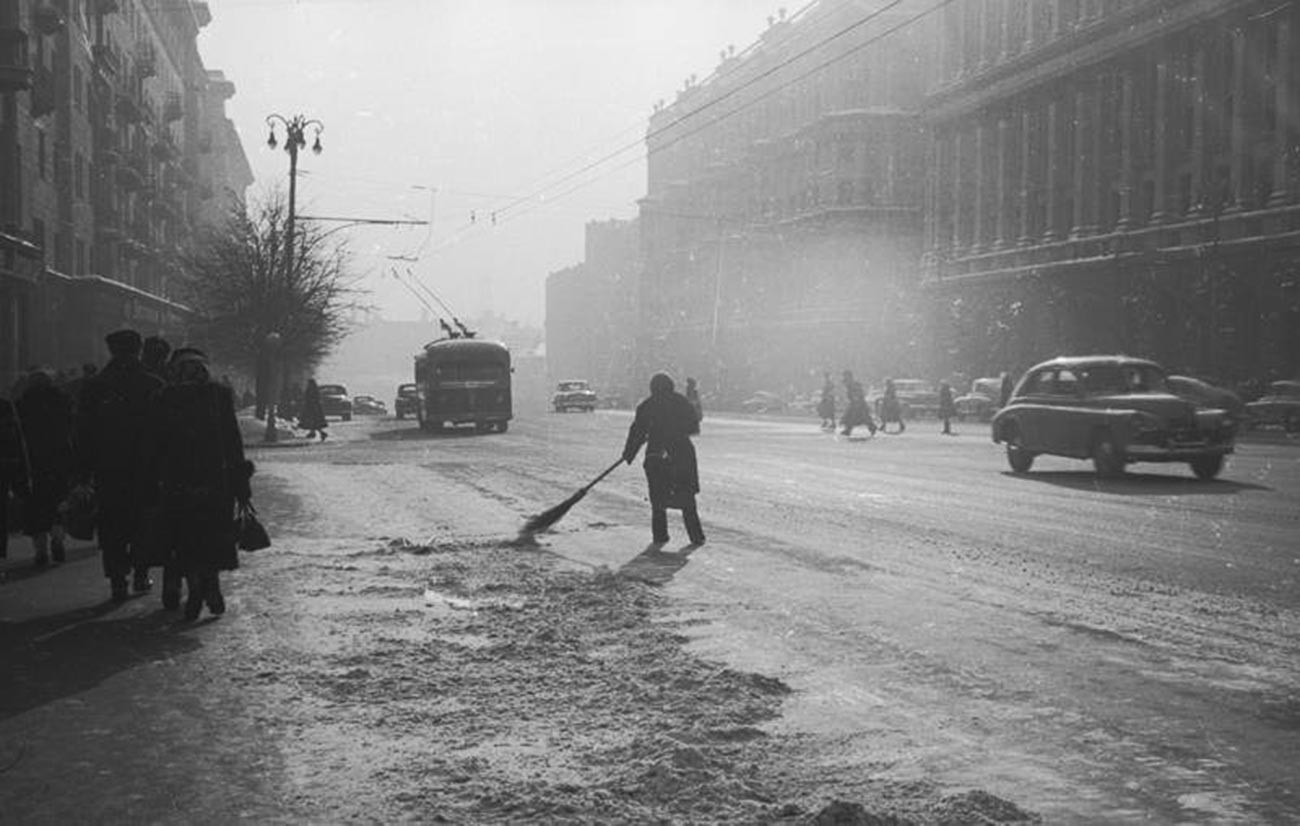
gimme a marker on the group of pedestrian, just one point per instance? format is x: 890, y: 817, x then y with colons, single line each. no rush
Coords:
x: 858, y: 411
x: 156, y: 440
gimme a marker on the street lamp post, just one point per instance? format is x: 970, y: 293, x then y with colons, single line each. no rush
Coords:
x: 295, y: 138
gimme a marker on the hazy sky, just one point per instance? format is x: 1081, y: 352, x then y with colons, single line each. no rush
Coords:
x: 460, y: 106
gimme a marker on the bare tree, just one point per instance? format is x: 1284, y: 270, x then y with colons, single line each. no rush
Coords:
x: 243, y: 290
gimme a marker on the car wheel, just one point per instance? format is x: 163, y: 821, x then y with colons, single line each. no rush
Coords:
x: 1106, y: 457
x: 1207, y: 467
x: 502, y: 426
x: 1020, y: 459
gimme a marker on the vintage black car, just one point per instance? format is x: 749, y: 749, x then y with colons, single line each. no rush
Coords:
x: 407, y: 401
x: 334, y: 401
x: 1281, y: 406
x: 573, y: 394
x: 368, y: 406
x: 1114, y: 410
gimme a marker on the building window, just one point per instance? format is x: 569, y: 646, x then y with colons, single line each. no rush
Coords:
x: 40, y: 154
x: 79, y: 176
x: 81, y: 257
x: 78, y: 89
x: 38, y: 235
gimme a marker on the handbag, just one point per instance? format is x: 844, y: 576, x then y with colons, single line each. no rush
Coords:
x: 249, y: 533
x: 78, y: 513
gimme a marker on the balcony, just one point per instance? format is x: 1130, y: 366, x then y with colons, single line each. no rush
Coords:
x: 15, y: 67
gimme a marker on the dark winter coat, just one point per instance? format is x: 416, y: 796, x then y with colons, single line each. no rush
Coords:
x: 311, y: 416
x: 46, y: 415
x: 201, y: 472
x: 947, y: 408
x: 13, y: 450
x: 890, y: 409
x: 113, y: 447
x: 826, y: 406
x: 856, y: 413
x: 664, y: 423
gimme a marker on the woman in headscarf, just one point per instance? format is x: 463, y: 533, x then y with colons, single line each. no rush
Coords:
x: 664, y: 423
x: 312, y: 415
x: 202, y: 473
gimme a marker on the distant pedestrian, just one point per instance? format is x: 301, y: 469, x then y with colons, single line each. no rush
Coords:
x: 45, y: 412
x: 856, y: 412
x: 947, y: 408
x: 311, y: 417
x: 693, y: 396
x: 664, y: 423
x: 112, y: 452
x: 826, y: 404
x: 201, y: 474
x: 891, y: 410
x: 13, y: 468
x: 1006, y: 388
x: 154, y: 357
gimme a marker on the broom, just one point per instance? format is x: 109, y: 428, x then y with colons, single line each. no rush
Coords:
x: 550, y: 516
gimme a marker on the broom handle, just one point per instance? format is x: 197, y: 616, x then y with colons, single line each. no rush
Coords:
x: 605, y: 473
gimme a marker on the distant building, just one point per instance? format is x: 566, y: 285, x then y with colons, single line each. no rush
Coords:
x: 782, y: 221
x: 1116, y: 175
x: 113, y: 144
x: 592, y: 315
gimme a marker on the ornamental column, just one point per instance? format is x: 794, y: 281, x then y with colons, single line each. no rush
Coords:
x: 1240, y: 93
x: 1159, y: 209
x: 1026, y: 179
x: 1282, y: 105
x: 1197, y: 142
x: 981, y: 185
x: 957, y: 206
x: 1003, y: 188
x: 1127, y: 146
x: 1052, y: 160
x: 1085, y: 183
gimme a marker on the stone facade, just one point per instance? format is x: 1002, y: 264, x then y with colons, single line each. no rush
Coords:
x: 1116, y: 175
x: 116, y: 144
x: 782, y: 221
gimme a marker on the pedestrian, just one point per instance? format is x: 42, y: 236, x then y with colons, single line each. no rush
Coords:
x: 856, y: 412
x: 311, y: 417
x: 947, y: 409
x: 1006, y: 388
x: 826, y: 405
x: 45, y: 413
x: 890, y: 408
x: 154, y: 356
x: 13, y: 468
x: 664, y: 423
x: 693, y: 396
x: 73, y: 386
x: 112, y: 453
x: 202, y: 474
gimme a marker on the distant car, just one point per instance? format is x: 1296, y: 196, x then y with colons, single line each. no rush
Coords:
x: 981, y: 402
x: 1210, y: 396
x: 368, y: 406
x: 334, y: 401
x: 407, y: 401
x: 1114, y: 410
x: 916, y: 398
x: 763, y: 401
x: 573, y: 394
x: 1280, y: 406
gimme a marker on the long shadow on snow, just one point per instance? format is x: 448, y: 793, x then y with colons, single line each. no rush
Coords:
x: 656, y: 566
x: 415, y: 434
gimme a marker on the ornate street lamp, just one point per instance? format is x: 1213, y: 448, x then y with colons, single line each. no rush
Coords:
x: 295, y: 138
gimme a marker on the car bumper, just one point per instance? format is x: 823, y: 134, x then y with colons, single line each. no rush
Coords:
x: 1175, y: 453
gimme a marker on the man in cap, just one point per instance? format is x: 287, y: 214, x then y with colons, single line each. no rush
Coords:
x: 112, y: 451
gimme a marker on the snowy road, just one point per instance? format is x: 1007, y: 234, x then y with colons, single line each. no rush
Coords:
x: 1095, y: 651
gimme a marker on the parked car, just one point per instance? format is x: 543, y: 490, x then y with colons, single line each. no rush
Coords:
x: 1204, y: 394
x: 407, y: 401
x: 1115, y: 410
x: 981, y: 402
x: 1280, y: 406
x: 573, y: 394
x: 916, y: 398
x: 334, y: 401
x: 763, y: 401
x: 368, y: 406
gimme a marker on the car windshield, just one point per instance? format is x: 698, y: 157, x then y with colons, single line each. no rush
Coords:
x: 1122, y: 378
x: 333, y: 390
x: 406, y: 390
x: 572, y: 386
x: 988, y: 387
x: 1290, y: 389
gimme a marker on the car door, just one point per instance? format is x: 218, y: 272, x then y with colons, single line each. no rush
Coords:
x: 1030, y: 406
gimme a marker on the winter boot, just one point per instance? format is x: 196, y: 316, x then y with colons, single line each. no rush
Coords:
x: 213, y: 596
